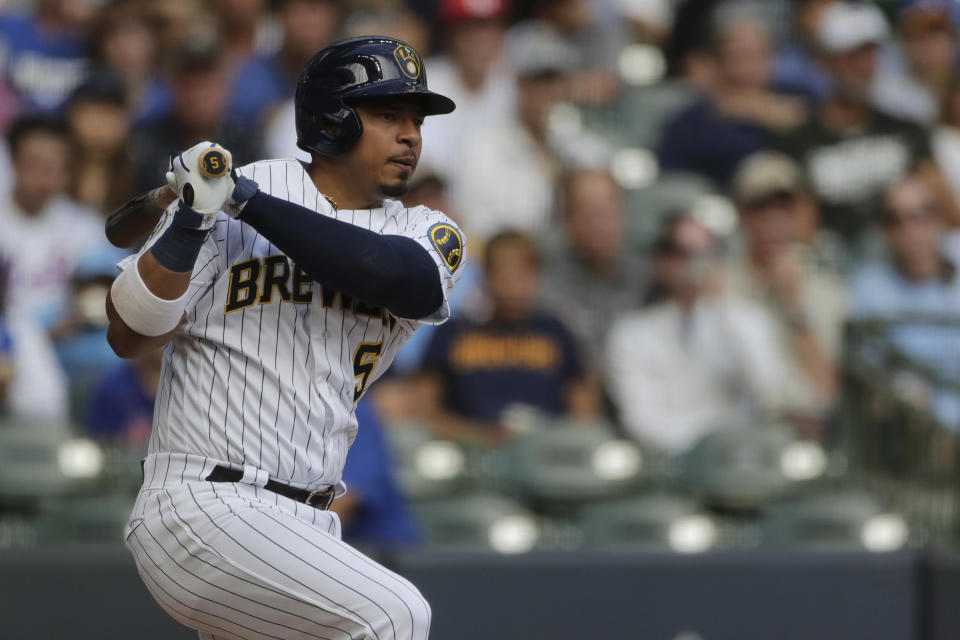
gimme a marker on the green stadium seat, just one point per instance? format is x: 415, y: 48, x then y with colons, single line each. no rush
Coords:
x: 30, y: 462
x: 650, y: 205
x: 478, y: 522
x: 747, y: 468
x: 845, y: 520
x: 562, y: 464
x: 425, y: 466
x: 660, y: 522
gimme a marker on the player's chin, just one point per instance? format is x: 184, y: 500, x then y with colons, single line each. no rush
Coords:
x: 395, y: 188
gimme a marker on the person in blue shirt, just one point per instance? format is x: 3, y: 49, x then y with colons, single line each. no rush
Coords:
x: 918, y: 277
x: 474, y: 372
x: 6, y: 364
x: 264, y: 81
x: 44, y: 51
x: 373, y: 511
x: 79, y: 327
x: 121, y: 409
x: 740, y: 111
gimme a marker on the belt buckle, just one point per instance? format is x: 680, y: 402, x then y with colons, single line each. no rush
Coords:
x: 327, y: 494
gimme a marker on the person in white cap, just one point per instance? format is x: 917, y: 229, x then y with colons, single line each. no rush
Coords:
x: 849, y: 150
x: 928, y: 38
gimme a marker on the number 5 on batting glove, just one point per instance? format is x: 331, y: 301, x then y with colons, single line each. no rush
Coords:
x: 201, y: 177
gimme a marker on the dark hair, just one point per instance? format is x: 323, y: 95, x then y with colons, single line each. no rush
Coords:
x: 511, y: 238
x: 25, y: 126
x: 101, y: 87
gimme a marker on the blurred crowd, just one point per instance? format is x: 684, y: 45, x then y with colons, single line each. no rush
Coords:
x: 674, y: 206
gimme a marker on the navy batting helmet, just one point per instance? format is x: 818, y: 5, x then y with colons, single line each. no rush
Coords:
x: 356, y: 68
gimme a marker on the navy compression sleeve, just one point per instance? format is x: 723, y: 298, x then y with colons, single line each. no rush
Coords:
x: 385, y: 270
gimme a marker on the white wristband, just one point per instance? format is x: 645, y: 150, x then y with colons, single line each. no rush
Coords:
x: 140, y: 309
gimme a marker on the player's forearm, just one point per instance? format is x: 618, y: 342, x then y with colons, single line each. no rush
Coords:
x: 384, y: 270
x: 161, y: 282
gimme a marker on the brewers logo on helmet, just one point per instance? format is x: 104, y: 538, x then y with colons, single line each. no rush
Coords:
x: 351, y: 69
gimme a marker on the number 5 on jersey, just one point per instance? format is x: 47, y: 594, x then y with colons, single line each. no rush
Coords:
x: 364, y: 360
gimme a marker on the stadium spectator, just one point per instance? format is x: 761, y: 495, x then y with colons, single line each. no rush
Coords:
x: 594, y: 276
x: 200, y: 82
x: 739, y: 112
x: 44, y: 236
x: 797, y: 63
x: 849, y: 150
x: 79, y: 330
x: 373, y: 512
x: 175, y: 21
x: 123, y: 43
x: 476, y: 371
x: 928, y: 35
x: 6, y: 356
x: 695, y: 359
x: 775, y: 269
x: 391, y: 18
x: 245, y: 29
x: 265, y: 81
x: 102, y: 165
x: 945, y: 138
x: 916, y: 277
x: 44, y: 57
x: 6, y: 365
x: 472, y: 72
x: 649, y: 21
x: 507, y: 178
x: 121, y: 406
x: 590, y: 76
x: 45, y: 233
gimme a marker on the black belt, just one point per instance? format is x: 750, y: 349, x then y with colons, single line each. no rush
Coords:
x: 317, y: 499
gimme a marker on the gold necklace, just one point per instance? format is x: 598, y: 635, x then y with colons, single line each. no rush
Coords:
x: 333, y: 203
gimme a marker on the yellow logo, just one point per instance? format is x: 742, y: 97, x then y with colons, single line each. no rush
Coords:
x: 213, y: 164
x: 407, y: 61
x: 447, y: 241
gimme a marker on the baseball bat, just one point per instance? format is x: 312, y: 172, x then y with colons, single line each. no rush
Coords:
x: 137, y: 217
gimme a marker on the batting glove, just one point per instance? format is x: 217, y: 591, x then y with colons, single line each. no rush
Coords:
x: 201, y: 177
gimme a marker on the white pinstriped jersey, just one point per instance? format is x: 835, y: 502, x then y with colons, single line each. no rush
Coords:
x: 267, y: 367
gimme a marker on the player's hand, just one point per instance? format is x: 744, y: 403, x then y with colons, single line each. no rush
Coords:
x: 201, y: 176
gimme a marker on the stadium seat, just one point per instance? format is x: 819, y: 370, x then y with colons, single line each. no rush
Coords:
x: 478, y: 522
x: 844, y: 520
x: 650, y: 205
x: 32, y: 459
x: 660, y: 521
x: 747, y: 468
x: 561, y: 464
x: 426, y: 467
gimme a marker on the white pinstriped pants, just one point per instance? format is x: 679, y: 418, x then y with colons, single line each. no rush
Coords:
x: 237, y: 561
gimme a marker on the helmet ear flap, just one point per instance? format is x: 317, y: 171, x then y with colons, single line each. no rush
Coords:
x: 327, y: 130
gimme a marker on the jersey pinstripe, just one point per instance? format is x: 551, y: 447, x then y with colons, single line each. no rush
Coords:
x: 266, y: 368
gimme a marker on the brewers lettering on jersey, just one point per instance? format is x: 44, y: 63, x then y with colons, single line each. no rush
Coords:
x: 277, y: 310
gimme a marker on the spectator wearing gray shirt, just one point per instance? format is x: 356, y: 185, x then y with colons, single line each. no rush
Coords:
x: 593, y: 277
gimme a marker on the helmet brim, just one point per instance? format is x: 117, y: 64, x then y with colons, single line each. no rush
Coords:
x: 433, y: 104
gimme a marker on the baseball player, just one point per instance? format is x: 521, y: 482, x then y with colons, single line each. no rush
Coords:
x: 280, y: 291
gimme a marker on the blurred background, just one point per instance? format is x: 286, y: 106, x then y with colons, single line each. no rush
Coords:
x: 711, y: 304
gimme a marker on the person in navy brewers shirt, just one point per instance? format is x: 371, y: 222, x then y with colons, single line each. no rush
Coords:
x: 476, y: 371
